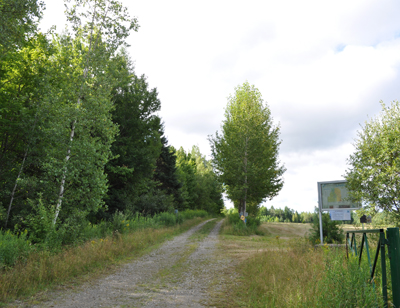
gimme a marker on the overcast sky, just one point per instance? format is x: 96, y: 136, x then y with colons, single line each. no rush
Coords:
x: 321, y: 66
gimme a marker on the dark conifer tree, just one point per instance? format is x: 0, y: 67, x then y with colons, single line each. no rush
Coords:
x: 166, y: 173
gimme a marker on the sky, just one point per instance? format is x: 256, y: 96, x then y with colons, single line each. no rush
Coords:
x: 322, y: 67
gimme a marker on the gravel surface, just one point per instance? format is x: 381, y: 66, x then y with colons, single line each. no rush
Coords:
x: 178, y: 274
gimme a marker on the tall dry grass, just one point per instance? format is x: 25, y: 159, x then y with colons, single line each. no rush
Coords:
x: 43, y: 270
x: 298, y: 275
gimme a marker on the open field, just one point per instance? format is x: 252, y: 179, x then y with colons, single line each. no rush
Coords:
x: 287, y: 230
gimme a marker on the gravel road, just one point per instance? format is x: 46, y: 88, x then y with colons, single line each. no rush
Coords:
x: 180, y: 273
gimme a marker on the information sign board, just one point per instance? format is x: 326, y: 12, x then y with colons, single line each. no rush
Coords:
x: 340, y: 214
x: 334, y: 195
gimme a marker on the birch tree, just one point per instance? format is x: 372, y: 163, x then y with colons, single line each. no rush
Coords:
x: 101, y: 27
x: 245, y: 154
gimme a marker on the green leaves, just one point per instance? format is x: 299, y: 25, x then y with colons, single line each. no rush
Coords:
x: 245, y: 156
x: 108, y: 19
x: 200, y: 186
x: 373, y: 176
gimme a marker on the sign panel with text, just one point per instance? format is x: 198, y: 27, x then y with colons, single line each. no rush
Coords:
x: 334, y: 195
x: 340, y: 214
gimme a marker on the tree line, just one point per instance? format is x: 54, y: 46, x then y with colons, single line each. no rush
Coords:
x: 285, y: 215
x: 80, y: 136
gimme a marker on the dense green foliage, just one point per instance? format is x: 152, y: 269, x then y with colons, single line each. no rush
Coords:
x: 80, y: 138
x: 234, y: 226
x: 201, y: 188
x: 331, y: 231
x: 18, y: 246
x: 245, y: 154
x: 375, y: 165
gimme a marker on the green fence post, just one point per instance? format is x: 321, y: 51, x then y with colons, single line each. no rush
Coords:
x: 393, y: 238
x: 382, y: 241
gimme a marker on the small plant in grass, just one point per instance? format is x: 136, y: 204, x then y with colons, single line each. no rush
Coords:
x: 119, y: 222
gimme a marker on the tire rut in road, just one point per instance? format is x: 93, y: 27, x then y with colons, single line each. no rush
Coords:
x: 120, y: 288
x: 189, y: 283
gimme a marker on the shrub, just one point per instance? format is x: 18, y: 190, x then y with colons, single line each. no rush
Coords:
x: 331, y: 231
x: 190, y: 214
x: 166, y: 219
x: 233, y: 225
x: 119, y: 222
x: 39, y: 221
x: 13, y: 247
x: 253, y: 221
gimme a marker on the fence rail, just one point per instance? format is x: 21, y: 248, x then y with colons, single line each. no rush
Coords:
x: 391, y: 239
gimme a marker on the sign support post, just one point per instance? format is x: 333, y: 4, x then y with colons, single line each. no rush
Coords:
x: 320, y: 228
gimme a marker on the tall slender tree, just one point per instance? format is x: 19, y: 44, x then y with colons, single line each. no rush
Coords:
x: 245, y: 154
x: 103, y: 25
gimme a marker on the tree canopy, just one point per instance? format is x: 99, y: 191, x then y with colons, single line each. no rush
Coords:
x: 373, y: 176
x: 80, y: 137
x: 245, y: 154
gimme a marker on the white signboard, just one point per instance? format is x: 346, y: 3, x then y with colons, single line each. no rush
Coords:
x: 340, y: 215
x: 334, y: 195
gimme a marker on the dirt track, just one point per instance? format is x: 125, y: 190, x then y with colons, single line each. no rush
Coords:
x: 178, y: 274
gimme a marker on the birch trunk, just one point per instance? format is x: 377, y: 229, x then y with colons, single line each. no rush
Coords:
x: 64, y: 176
x: 245, y: 176
x: 15, y: 187
x: 71, y: 139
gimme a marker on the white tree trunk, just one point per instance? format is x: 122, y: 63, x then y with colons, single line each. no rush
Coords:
x: 64, y: 176
x: 85, y: 71
x: 15, y: 187
x: 245, y: 177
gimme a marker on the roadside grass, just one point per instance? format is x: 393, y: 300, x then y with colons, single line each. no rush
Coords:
x: 42, y: 270
x: 283, y: 270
